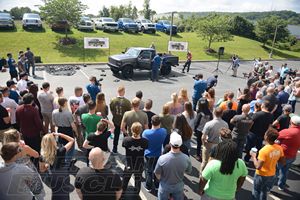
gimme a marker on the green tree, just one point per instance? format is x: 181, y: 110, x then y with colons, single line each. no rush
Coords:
x: 214, y: 28
x: 146, y: 11
x: 63, y: 10
x: 117, y: 12
x: 128, y: 10
x: 104, y: 12
x: 265, y: 29
x: 242, y: 27
x: 18, y: 12
x: 134, y: 13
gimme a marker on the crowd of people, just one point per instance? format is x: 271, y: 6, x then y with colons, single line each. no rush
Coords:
x: 38, y: 131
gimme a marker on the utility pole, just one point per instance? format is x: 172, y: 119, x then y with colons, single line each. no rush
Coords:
x: 171, y: 28
x: 274, y: 39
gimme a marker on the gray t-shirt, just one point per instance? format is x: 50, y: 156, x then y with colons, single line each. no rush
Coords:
x: 17, y: 182
x: 46, y: 101
x: 62, y: 119
x: 242, y: 125
x: 212, y: 129
x: 172, y: 166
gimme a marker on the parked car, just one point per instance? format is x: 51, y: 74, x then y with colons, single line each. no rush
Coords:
x: 31, y: 20
x: 128, y: 25
x: 6, y: 21
x: 165, y: 26
x: 106, y: 24
x: 145, y: 25
x: 60, y: 26
x: 140, y: 58
x: 85, y: 23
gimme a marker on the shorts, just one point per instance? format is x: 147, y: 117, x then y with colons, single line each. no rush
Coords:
x: 47, y: 117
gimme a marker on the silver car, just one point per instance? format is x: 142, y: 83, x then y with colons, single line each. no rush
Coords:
x: 31, y: 20
x: 145, y: 25
x: 106, y: 24
x: 85, y: 23
x: 6, y: 21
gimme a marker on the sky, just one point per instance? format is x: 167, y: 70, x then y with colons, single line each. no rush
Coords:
x: 176, y: 5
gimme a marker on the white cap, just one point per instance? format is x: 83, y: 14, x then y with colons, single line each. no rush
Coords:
x: 295, y: 120
x: 175, y: 139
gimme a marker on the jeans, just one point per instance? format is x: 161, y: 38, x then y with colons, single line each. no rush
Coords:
x: 28, y: 67
x: 137, y: 179
x: 165, y: 190
x: 261, y: 186
x: 150, y: 176
x: 195, y: 101
x: 282, y: 171
x: 187, y: 143
x: 116, y: 137
x: 240, y: 142
x: 293, y: 104
x: 187, y: 64
x: 68, y: 131
x: 154, y: 75
x: 252, y: 140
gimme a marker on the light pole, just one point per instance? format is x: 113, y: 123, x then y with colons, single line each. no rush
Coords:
x: 274, y: 39
x: 171, y: 28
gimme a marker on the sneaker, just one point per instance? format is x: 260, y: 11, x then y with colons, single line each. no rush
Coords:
x: 147, y: 189
x: 183, y: 72
x: 280, y: 188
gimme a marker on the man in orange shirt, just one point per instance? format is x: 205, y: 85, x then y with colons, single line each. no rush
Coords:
x: 223, y: 105
x: 265, y: 165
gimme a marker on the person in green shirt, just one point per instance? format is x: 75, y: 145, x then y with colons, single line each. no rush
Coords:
x: 90, y: 121
x: 224, y: 175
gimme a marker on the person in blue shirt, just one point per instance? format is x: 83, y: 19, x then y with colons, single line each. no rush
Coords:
x: 212, y: 81
x: 200, y: 86
x: 12, y: 67
x: 93, y: 88
x: 155, y: 65
x: 156, y: 137
x: 13, y: 94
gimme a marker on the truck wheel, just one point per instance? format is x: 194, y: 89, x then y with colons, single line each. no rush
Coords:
x: 154, y: 31
x: 165, y: 70
x: 114, y: 71
x: 127, y: 71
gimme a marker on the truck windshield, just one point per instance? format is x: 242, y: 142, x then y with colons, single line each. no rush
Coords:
x: 146, y: 21
x: 4, y: 15
x: 128, y: 21
x: 166, y: 22
x: 108, y: 20
x: 132, y: 52
x: 35, y: 16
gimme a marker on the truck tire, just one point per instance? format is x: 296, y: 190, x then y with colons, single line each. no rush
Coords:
x: 166, y: 70
x: 127, y: 71
x: 114, y: 71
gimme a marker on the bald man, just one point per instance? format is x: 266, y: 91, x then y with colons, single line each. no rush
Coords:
x: 96, y: 182
x: 242, y: 125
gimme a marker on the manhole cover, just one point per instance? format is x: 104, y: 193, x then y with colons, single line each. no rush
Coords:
x: 62, y: 70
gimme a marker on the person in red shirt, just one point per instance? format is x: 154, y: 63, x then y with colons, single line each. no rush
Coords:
x: 290, y: 142
x: 188, y: 62
x: 30, y: 123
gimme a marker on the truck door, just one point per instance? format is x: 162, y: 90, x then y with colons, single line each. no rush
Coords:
x: 144, y: 59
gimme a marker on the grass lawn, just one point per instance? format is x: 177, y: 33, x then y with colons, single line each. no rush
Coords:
x: 45, y: 44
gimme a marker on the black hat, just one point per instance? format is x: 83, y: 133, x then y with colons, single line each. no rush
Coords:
x: 22, y: 74
x: 10, y: 83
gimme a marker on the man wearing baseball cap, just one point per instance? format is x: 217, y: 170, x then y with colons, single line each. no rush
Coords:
x: 170, y: 169
x: 290, y: 142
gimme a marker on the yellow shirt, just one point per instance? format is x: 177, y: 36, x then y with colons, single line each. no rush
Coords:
x: 270, y: 154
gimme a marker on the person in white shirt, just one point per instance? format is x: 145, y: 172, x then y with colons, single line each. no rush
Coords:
x: 77, y: 100
x: 11, y: 105
x: 22, y: 83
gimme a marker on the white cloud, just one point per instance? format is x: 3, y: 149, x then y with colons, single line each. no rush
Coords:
x: 178, y: 5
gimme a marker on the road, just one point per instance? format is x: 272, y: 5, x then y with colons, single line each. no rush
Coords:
x: 160, y: 92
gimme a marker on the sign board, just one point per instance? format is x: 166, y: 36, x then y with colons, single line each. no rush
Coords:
x: 178, y: 46
x: 96, y: 43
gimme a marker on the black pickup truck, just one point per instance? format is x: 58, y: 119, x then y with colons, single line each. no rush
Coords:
x: 140, y: 58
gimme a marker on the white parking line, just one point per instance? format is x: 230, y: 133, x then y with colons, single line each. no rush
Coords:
x: 270, y: 195
x: 84, y: 74
x: 142, y: 196
x: 44, y: 76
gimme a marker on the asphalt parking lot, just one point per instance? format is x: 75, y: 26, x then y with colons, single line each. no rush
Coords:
x: 160, y: 93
